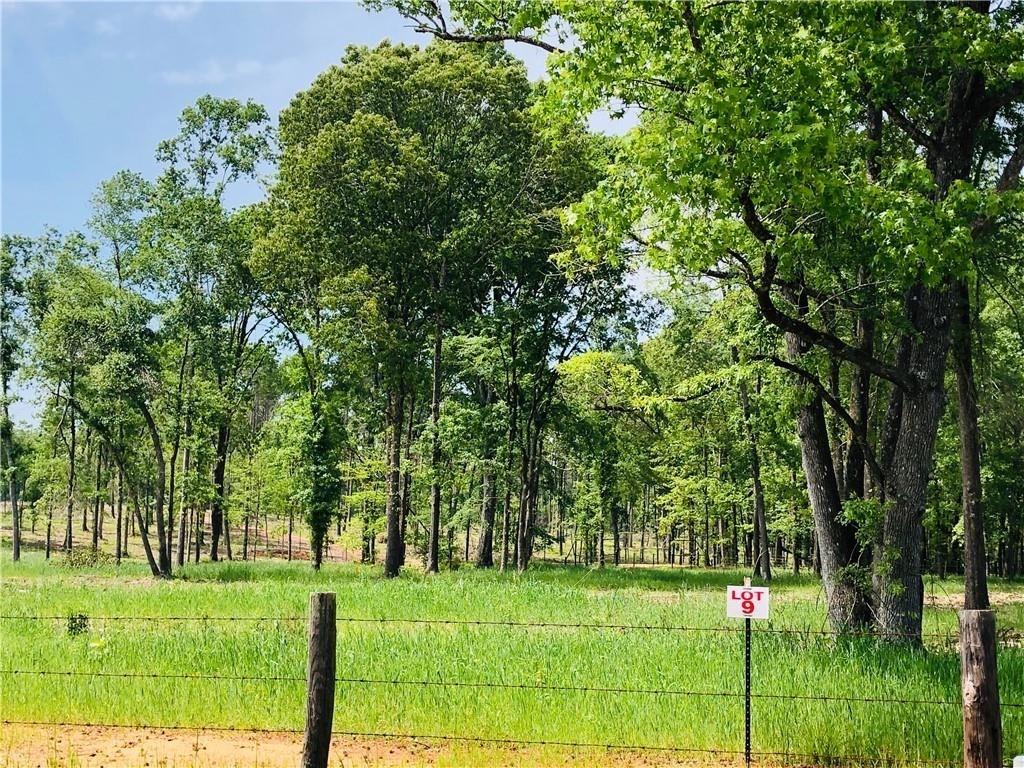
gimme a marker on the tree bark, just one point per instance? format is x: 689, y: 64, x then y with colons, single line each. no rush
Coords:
x: 846, y: 595
x: 163, y: 540
x: 762, y: 564
x: 899, y: 589
x: 983, y: 736
x: 217, y: 505
x: 488, y: 507
x: 975, y: 578
x: 320, y: 679
x: 393, y: 510
x: 433, y: 545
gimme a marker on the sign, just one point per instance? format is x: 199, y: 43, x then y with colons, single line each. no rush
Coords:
x: 746, y: 602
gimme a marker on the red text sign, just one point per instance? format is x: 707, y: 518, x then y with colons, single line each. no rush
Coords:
x: 746, y: 602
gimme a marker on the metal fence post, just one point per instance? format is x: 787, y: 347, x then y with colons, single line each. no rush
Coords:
x: 746, y: 686
x: 983, y: 735
x: 320, y: 677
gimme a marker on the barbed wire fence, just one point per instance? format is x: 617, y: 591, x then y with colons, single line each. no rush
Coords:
x: 81, y: 622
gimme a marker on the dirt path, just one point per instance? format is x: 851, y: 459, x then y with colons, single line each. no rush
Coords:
x: 103, y: 747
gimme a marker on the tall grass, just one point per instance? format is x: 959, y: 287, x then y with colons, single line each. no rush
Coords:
x: 667, y: 660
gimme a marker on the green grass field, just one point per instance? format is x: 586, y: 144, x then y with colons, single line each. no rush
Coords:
x: 785, y: 665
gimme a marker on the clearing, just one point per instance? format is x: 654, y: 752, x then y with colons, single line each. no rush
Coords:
x: 638, y: 658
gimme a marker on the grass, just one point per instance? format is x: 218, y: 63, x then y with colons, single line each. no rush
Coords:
x: 665, y: 660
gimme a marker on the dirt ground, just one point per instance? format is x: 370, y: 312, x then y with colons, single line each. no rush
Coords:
x: 104, y: 747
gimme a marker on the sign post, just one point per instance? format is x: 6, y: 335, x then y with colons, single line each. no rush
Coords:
x: 746, y: 603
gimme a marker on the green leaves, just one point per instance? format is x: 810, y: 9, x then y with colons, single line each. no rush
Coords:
x: 221, y: 141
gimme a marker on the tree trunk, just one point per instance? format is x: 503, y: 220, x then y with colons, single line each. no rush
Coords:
x: 527, y: 497
x: 617, y: 545
x: 506, y: 511
x: 97, y: 498
x: 118, y: 551
x: 762, y: 563
x: 435, y: 457
x: 846, y: 593
x: 975, y: 578
x: 9, y: 472
x: 855, y: 485
x: 899, y: 589
x: 72, y: 449
x: 393, y: 509
x: 322, y: 490
x: 185, y: 463
x: 979, y: 683
x: 163, y: 540
x: 488, y: 507
x: 217, y: 506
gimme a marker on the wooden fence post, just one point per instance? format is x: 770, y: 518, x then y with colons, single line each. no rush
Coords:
x: 320, y: 671
x: 983, y: 733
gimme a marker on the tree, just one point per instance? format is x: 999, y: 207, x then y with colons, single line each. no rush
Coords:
x: 95, y: 349
x: 201, y: 251
x: 398, y: 163
x: 853, y: 171
x: 610, y: 419
x: 19, y: 256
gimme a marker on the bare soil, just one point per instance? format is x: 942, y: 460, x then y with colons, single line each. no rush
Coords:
x: 105, y: 747
x: 955, y: 600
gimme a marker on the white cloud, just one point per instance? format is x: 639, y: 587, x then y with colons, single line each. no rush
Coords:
x: 104, y: 26
x: 215, y: 71
x: 176, y: 11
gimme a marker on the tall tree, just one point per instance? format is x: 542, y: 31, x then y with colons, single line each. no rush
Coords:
x: 397, y: 163
x: 202, y: 249
x: 796, y: 193
x: 18, y: 257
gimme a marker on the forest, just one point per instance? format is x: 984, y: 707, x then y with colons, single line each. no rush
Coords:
x: 776, y: 325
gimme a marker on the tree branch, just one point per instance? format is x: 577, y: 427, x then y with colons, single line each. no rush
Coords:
x: 833, y: 344
x: 1010, y: 176
x: 634, y: 412
x: 856, y: 429
x: 753, y: 221
x: 698, y: 396
x: 437, y: 26
x: 910, y: 128
x: 496, y: 37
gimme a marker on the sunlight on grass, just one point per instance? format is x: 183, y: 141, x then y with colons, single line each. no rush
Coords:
x: 676, y: 669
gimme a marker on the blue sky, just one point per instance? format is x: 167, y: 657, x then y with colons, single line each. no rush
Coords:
x: 91, y: 88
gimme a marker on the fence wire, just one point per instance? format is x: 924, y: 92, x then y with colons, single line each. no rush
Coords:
x: 562, y: 688
x: 948, y: 635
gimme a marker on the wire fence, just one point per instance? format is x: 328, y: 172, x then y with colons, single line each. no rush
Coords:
x: 82, y: 621
x: 950, y: 635
x: 498, y: 685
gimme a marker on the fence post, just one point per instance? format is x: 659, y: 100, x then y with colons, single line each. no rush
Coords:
x: 983, y: 736
x: 746, y: 686
x: 320, y: 672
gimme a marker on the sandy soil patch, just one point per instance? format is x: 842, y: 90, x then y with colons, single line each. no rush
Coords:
x: 955, y: 600
x: 105, y: 747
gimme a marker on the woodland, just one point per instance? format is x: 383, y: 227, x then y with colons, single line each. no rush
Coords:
x: 777, y: 325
